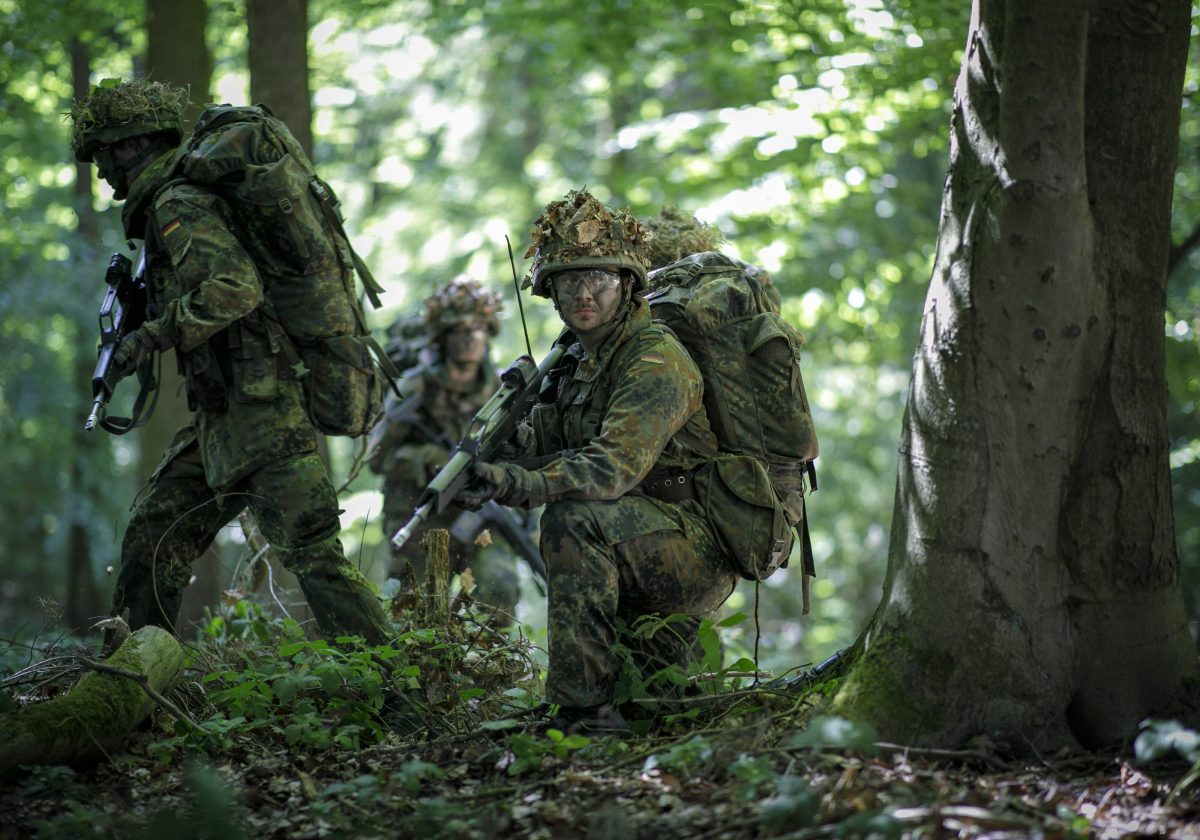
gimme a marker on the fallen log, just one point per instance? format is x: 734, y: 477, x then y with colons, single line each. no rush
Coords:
x: 96, y: 716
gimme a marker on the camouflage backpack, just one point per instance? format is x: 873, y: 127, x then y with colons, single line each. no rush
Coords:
x: 749, y: 358
x: 289, y: 221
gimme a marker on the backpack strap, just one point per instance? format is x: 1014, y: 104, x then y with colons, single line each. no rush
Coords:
x: 333, y: 215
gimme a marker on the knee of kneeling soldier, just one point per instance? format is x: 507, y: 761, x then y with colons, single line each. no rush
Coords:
x: 566, y: 523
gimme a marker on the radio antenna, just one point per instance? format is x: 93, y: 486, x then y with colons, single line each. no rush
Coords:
x: 517, y: 286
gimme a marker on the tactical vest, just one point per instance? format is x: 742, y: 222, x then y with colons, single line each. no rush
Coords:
x: 289, y: 221
x: 572, y: 411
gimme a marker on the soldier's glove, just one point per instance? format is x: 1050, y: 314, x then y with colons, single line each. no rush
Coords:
x: 520, y: 445
x: 507, y: 484
x: 135, y: 347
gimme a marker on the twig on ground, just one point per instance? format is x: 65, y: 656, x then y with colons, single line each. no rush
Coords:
x: 144, y: 682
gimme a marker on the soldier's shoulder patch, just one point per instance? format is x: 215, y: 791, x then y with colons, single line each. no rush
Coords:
x: 170, y: 227
x: 654, y: 358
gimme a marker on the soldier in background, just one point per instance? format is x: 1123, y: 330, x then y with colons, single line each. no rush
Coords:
x: 451, y: 379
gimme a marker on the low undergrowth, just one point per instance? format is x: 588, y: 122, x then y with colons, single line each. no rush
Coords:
x: 440, y: 735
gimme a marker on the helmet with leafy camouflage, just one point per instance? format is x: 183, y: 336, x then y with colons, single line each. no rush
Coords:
x: 581, y: 232
x: 678, y: 234
x: 114, y: 110
x: 462, y: 301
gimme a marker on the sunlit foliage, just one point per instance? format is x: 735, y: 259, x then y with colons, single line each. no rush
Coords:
x: 813, y: 134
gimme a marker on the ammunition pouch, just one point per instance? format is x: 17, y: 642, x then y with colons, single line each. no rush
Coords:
x: 205, y: 381
x: 746, y: 514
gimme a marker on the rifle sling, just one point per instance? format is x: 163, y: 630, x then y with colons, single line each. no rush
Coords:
x: 141, y: 413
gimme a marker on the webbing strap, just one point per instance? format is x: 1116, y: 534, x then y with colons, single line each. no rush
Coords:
x: 325, y: 199
x: 141, y: 414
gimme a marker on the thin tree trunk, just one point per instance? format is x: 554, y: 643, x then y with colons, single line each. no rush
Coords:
x: 278, y: 57
x: 1033, y: 593
x: 82, y: 602
x: 178, y: 53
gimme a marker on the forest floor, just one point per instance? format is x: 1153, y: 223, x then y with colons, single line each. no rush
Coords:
x: 733, y: 781
x: 276, y: 736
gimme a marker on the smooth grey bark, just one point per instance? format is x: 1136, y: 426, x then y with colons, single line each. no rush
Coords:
x: 1032, y: 593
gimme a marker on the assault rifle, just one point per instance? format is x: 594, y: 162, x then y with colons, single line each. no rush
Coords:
x: 802, y: 680
x: 491, y: 427
x: 122, y: 311
x: 508, y: 522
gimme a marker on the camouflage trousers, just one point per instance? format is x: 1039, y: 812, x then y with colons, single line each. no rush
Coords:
x: 176, y: 516
x: 494, y: 568
x: 603, y: 567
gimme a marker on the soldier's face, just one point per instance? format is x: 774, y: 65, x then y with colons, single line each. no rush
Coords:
x: 588, y: 299
x: 466, y: 344
x: 113, y: 164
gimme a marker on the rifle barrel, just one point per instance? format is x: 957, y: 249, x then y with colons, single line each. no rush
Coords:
x: 419, y: 515
x: 94, y: 418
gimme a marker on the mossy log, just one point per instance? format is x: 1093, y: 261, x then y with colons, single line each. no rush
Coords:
x: 96, y: 716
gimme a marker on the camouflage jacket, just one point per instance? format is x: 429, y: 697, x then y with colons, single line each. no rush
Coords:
x: 627, y: 410
x: 410, y: 443
x: 205, y: 293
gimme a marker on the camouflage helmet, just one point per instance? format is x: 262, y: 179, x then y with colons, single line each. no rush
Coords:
x: 114, y: 110
x: 462, y: 301
x: 678, y: 234
x: 581, y: 232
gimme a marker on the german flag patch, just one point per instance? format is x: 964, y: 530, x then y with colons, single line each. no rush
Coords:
x: 654, y: 358
x: 170, y: 227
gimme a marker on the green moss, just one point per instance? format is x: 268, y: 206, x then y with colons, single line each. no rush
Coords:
x: 879, y: 690
x: 97, y: 714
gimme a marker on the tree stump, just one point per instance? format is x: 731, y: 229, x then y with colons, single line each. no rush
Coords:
x: 436, y: 543
x: 96, y: 716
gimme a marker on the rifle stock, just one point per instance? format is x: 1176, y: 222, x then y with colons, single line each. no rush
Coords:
x: 491, y: 427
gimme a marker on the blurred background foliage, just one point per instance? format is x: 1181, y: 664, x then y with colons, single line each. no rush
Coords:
x: 813, y: 134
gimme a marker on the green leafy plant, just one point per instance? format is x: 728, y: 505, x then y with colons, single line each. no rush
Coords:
x: 527, y: 751
x: 685, y: 758
x: 793, y: 806
x: 825, y: 732
x: 751, y: 773
x: 1160, y: 739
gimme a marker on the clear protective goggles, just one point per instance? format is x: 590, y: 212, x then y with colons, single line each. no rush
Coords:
x: 573, y: 281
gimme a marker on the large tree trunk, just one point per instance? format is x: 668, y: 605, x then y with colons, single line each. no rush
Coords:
x: 1033, y: 592
x: 177, y: 53
x: 96, y: 716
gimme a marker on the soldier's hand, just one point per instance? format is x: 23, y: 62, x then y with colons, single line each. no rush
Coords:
x: 488, y: 482
x: 135, y: 347
x: 519, y: 446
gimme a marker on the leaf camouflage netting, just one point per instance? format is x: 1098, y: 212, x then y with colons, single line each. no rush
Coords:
x: 462, y: 301
x: 114, y: 102
x: 580, y: 226
x: 678, y: 234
